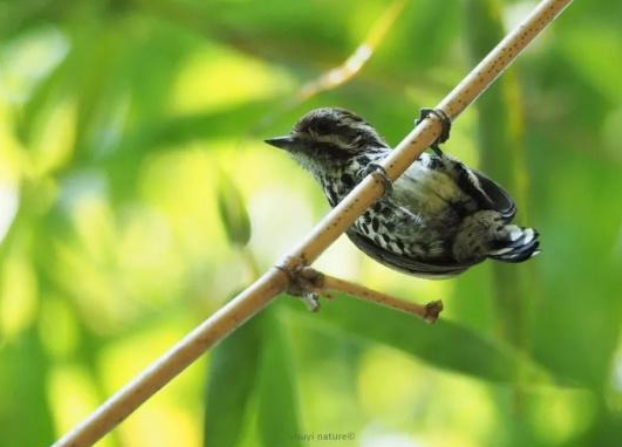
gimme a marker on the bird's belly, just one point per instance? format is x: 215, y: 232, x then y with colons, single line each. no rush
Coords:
x: 431, y: 193
x: 420, y: 217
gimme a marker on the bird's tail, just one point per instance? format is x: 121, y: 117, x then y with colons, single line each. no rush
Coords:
x: 489, y: 234
x: 520, y: 245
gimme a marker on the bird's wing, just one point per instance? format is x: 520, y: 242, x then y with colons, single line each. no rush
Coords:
x: 429, y: 177
x: 405, y: 263
x: 486, y: 192
x: 501, y: 199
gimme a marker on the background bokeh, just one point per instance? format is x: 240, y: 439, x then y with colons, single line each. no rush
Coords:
x: 136, y: 197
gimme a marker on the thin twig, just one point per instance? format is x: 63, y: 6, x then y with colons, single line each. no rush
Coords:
x: 352, y: 65
x: 339, y: 75
x: 275, y: 281
x: 429, y: 312
x: 323, y: 284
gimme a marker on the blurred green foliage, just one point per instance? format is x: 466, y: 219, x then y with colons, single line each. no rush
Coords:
x: 136, y: 195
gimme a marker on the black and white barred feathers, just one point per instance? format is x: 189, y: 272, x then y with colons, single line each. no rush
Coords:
x: 439, y: 218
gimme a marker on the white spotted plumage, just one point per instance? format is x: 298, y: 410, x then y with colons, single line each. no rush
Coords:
x: 440, y: 216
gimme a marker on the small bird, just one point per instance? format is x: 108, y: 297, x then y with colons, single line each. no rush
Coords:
x: 437, y: 220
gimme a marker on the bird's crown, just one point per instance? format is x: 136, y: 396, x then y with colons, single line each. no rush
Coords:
x: 335, y: 129
x: 327, y: 138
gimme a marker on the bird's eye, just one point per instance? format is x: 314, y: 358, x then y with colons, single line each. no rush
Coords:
x: 322, y: 128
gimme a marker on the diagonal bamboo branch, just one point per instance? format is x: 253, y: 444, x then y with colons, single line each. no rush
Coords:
x: 276, y: 280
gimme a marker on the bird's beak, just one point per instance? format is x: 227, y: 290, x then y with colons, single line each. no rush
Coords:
x: 287, y: 142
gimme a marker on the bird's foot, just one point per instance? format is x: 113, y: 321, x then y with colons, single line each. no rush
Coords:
x: 445, y: 131
x: 378, y: 172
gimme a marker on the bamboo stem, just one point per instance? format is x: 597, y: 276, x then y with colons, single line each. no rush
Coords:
x: 275, y: 281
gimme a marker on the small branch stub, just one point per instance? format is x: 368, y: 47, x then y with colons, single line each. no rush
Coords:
x: 303, y: 283
x: 432, y: 311
x: 307, y: 282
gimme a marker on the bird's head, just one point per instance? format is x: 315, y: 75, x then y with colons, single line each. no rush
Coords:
x: 328, y: 136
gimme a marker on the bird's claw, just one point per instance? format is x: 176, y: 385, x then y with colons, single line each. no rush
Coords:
x: 445, y: 131
x: 378, y: 171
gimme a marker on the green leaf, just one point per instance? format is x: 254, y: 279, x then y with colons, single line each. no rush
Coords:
x: 255, y: 359
x: 23, y: 393
x: 231, y: 384
x: 278, y: 401
x: 233, y: 212
x: 443, y: 344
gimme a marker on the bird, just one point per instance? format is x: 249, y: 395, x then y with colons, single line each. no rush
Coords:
x: 438, y: 219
